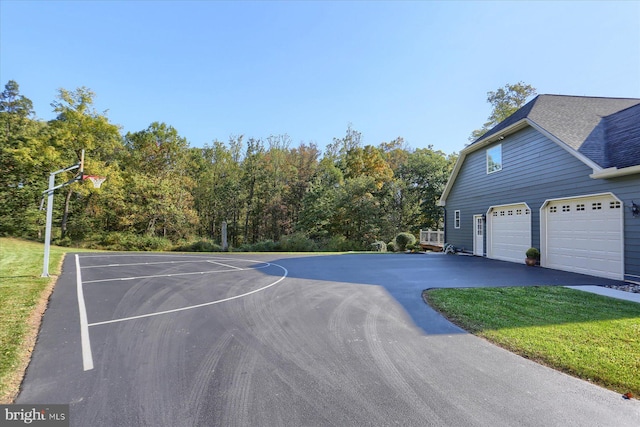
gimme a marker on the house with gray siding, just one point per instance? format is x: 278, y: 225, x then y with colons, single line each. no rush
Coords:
x: 561, y: 174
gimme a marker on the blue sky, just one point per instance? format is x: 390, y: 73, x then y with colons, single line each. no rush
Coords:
x: 419, y: 70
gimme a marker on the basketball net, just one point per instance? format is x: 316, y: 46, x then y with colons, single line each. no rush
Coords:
x: 96, y: 180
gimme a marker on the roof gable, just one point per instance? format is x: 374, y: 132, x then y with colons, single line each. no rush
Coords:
x: 604, y: 133
x: 577, y: 121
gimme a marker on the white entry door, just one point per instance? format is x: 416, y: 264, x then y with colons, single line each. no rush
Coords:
x: 478, y: 235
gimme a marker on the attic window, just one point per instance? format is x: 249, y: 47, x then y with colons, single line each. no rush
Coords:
x: 494, y: 159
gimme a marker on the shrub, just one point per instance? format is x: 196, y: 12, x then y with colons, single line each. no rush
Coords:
x: 404, y: 239
x: 339, y: 243
x: 379, y: 246
x: 391, y: 246
x: 66, y: 242
x: 415, y: 247
x: 264, y: 246
x: 533, y: 253
x: 199, y: 246
x: 133, y: 242
x: 297, y: 242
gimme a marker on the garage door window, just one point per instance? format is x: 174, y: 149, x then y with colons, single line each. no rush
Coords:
x: 509, y: 232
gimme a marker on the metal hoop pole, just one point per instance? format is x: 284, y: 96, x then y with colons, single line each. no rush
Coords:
x: 49, y: 191
x: 47, y: 233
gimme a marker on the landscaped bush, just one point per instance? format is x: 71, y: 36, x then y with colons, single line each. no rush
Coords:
x: 391, y: 246
x: 414, y: 248
x: 403, y: 240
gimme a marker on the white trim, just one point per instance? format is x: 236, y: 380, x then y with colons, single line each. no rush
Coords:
x: 456, y: 219
x: 520, y: 124
x: 584, y: 159
x: 487, y: 150
x: 544, y: 261
x: 635, y: 279
x: 474, y: 146
x: 615, y: 172
x: 557, y: 199
x: 478, y: 241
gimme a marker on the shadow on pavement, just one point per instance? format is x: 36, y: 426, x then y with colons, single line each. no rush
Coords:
x: 406, y: 276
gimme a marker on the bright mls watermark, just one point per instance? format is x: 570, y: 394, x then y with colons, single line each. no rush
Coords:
x: 34, y: 415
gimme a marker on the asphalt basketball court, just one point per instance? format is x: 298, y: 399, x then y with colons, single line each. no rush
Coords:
x: 121, y: 288
x: 218, y: 340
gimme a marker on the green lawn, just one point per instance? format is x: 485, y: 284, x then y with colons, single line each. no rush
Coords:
x: 23, y: 295
x: 589, y: 336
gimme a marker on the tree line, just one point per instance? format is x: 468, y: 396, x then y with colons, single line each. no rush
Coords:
x: 162, y: 193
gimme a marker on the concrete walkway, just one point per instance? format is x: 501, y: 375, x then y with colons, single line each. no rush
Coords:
x: 613, y: 293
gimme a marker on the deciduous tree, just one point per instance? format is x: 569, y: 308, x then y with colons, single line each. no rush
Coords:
x: 78, y: 126
x: 505, y: 101
x: 21, y: 165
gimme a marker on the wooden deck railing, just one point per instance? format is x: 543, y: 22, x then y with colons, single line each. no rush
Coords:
x: 432, y: 238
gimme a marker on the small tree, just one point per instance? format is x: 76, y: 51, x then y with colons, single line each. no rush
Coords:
x: 505, y: 102
x: 403, y: 240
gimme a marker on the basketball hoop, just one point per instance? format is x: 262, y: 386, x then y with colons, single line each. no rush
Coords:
x: 96, y: 180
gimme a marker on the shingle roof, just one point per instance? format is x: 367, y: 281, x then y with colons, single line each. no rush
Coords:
x: 622, y: 132
x: 606, y: 130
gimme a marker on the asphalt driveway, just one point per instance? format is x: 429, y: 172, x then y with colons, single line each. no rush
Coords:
x: 404, y: 276
x: 220, y: 340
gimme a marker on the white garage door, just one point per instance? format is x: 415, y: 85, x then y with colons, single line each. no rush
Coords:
x: 509, y: 232
x: 584, y: 235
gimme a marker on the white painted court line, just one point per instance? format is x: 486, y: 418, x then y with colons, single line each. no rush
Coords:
x: 208, y: 259
x: 225, y: 265
x: 124, y: 319
x: 141, y: 263
x: 118, y: 279
x: 87, y: 357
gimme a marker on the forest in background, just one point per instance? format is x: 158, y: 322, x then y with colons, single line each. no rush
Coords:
x: 161, y: 193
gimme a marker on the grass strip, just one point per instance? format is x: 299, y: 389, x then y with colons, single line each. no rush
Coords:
x: 589, y: 336
x: 23, y: 299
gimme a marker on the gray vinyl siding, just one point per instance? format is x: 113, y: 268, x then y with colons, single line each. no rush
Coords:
x: 534, y: 169
x: 628, y: 190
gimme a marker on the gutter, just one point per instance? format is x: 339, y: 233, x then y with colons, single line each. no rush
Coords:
x: 615, y: 172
